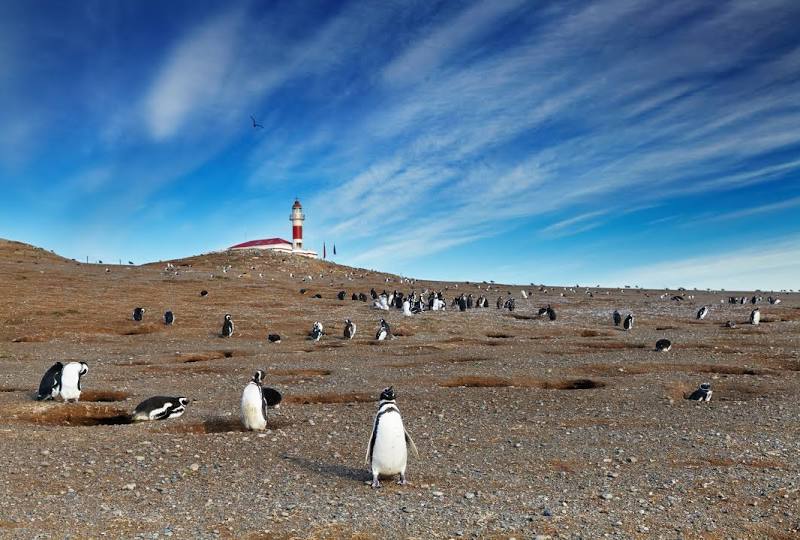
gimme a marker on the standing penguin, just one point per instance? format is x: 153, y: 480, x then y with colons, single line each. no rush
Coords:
x: 407, y: 308
x: 387, y: 453
x: 617, y: 318
x: 349, y: 329
x: 755, y: 316
x: 70, y: 383
x: 255, y: 400
x: 701, y: 394
x: 169, y: 318
x: 702, y: 313
x: 159, y: 408
x: 138, y: 314
x: 628, y: 324
x: 316, y: 331
x: 50, y: 386
x: 227, y: 326
x: 383, y: 331
x: 551, y: 313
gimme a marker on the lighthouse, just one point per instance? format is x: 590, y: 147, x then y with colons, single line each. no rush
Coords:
x: 297, y: 219
x: 279, y: 244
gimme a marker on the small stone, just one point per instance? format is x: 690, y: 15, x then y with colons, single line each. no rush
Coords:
x: 129, y: 487
x: 607, y: 496
x: 469, y: 495
x: 517, y: 445
x: 632, y: 459
x: 139, y: 458
x: 437, y: 494
x: 194, y: 467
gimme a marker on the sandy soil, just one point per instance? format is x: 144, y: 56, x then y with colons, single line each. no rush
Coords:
x: 526, y: 427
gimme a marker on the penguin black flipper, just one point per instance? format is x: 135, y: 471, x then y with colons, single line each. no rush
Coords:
x: 368, y: 457
x: 410, y: 443
x: 51, y: 380
x: 271, y: 396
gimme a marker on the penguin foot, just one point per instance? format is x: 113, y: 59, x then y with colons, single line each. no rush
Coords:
x: 375, y: 484
x: 402, y: 480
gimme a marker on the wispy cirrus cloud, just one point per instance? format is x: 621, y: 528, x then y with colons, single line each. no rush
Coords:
x: 638, y: 120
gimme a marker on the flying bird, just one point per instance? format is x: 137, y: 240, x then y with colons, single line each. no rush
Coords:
x: 256, y: 125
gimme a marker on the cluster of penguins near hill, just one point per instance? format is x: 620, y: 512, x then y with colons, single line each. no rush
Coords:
x: 387, y: 451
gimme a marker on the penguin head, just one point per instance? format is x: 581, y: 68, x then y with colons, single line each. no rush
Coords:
x: 227, y: 317
x: 705, y: 386
x: 84, y: 369
x: 258, y: 376
x: 387, y: 394
x: 183, y: 401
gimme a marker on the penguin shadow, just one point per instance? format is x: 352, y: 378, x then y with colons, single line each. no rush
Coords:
x: 342, y: 471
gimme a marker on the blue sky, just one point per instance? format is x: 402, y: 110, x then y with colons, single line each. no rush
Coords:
x: 619, y: 142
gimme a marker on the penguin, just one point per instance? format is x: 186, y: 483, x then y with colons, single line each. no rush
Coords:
x: 316, y: 331
x: 703, y: 393
x: 462, y: 303
x: 203, y: 293
x: 341, y: 295
x: 383, y: 331
x: 355, y: 297
x: 551, y: 313
x: 617, y: 318
x: 387, y: 453
x: 138, y: 314
x: 628, y: 324
x: 407, y: 308
x: 511, y: 304
x: 255, y: 400
x: 702, y: 313
x: 349, y: 329
x: 755, y: 317
x: 524, y: 293
x: 227, y: 326
x: 542, y: 311
x: 663, y: 345
x: 159, y: 408
x: 730, y: 324
x: 274, y: 338
x: 169, y: 318
x: 362, y: 297
x: 499, y: 302
x: 70, y: 383
x: 470, y: 301
x: 50, y: 386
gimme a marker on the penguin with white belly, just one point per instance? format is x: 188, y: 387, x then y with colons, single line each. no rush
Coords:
x: 255, y: 400
x: 70, y: 384
x: 387, y: 453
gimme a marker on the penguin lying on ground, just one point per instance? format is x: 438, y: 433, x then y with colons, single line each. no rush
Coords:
x: 701, y: 394
x: 387, y: 453
x: 274, y: 338
x: 663, y: 345
x: 159, y: 408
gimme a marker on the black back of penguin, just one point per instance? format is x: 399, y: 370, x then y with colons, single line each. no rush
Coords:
x: 50, y: 383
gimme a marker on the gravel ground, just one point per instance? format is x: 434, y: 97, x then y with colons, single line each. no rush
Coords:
x: 527, y: 428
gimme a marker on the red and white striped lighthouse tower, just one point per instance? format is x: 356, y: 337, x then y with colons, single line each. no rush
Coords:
x: 297, y: 219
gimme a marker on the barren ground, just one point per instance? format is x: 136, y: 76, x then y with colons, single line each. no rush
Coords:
x: 572, y: 428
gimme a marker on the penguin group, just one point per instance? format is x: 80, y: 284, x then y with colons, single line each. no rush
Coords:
x: 62, y: 380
